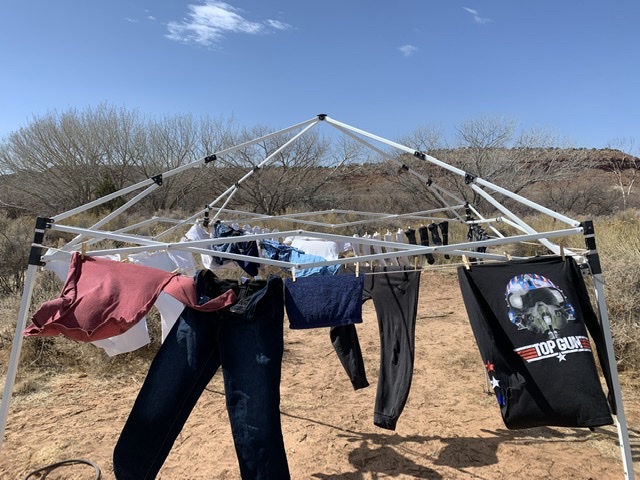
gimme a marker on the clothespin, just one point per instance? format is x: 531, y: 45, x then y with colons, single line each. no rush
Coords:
x: 293, y: 273
x: 357, y: 269
x: 562, y: 252
x: 83, y: 250
x: 465, y: 260
x: 507, y: 255
x: 415, y: 263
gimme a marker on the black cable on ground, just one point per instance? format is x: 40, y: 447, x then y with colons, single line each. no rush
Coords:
x: 45, y: 471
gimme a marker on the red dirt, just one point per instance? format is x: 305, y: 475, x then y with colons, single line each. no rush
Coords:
x: 450, y: 428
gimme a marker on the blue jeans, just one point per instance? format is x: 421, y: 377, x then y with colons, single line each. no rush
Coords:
x: 246, y: 340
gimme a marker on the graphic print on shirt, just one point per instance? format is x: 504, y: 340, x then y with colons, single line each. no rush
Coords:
x: 495, y: 383
x: 536, y: 304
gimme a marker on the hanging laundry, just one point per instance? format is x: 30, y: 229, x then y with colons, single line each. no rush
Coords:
x: 159, y: 259
x: 279, y: 251
x: 390, y: 237
x: 103, y: 298
x: 411, y: 235
x: 137, y: 336
x: 249, y: 345
x: 378, y: 249
x: 196, y: 232
x: 435, y: 236
x: 347, y: 346
x: 184, y: 261
x: 401, y: 238
x: 476, y: 234
x: 424, y: 241
x: 134, y: 338
x: 530, y: 320
x: 444, y: 228
x: 249, y: 248
x: 323, y: 301
x: 315, y: 246
x: 394, y: 292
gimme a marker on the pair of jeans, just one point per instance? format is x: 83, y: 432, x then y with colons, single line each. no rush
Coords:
x: 246, y: 340
x: 286, y: 253
x: 394, y: 292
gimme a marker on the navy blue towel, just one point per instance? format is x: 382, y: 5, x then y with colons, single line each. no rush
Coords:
x: 323, y: 301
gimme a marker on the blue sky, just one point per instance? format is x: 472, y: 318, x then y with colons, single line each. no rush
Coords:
x: 388, y: 68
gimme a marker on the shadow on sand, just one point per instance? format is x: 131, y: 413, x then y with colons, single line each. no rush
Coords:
x: 391, y: 455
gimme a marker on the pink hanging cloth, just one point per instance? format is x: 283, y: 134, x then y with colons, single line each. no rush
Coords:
x: 102, y: 298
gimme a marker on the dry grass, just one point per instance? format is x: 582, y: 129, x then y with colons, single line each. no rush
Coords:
x: 618, y: 241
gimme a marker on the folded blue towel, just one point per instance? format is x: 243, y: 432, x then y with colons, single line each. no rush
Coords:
x: 323, y: 301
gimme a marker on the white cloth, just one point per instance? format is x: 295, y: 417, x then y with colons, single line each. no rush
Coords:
x: 134, y: 338
x: 401, y: 238
x: 390, y: 237
x: 378, y: 248
x: 355, y: 245
x: 197, y: 232
x: 184, y: 261
x: 61, y: 266
x: 159, y: 259
x: 170, y: 309
x: 316, y: 246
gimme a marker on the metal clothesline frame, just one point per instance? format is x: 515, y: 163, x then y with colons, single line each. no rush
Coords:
x: 41, y: 253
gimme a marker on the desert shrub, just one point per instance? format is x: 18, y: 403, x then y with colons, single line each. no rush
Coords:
x: 16, y: 236
x: 543, y: 224
x: 618, y: 242
x: 588, y: 194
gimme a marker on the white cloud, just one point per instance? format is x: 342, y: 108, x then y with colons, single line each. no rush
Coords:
x: 278, y: 25
x: 408, y: 50
x: 207, y: 24
x: 476, y: 16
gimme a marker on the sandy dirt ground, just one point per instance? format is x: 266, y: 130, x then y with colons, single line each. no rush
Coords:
x: 450, y: 429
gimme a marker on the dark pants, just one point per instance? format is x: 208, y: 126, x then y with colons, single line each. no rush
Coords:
x: 248, y: 345
x: 395, y: 296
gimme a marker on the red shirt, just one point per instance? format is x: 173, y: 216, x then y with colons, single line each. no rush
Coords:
x: 102, y: 298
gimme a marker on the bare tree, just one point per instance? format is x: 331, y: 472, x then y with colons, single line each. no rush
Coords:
x: 123, y: 138
x: 624, y: 166
x: 63, y: 160
x: 295, y: 177
x: 407, y: 191
x: 582, y: 196
x: 424, y: 138
x: 59, y: 161
x: 491, y: 148
x: 171, y: 143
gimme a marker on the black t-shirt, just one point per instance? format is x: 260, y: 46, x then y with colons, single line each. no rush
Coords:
x: 530, y: 320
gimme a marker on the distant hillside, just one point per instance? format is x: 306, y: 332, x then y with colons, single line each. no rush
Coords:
x: 601, y: 158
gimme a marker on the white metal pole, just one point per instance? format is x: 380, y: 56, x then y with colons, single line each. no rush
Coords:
x: 621, y: 421
x: 16, y: 347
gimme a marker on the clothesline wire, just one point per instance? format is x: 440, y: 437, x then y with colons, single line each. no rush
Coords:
x: 383, y: 271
